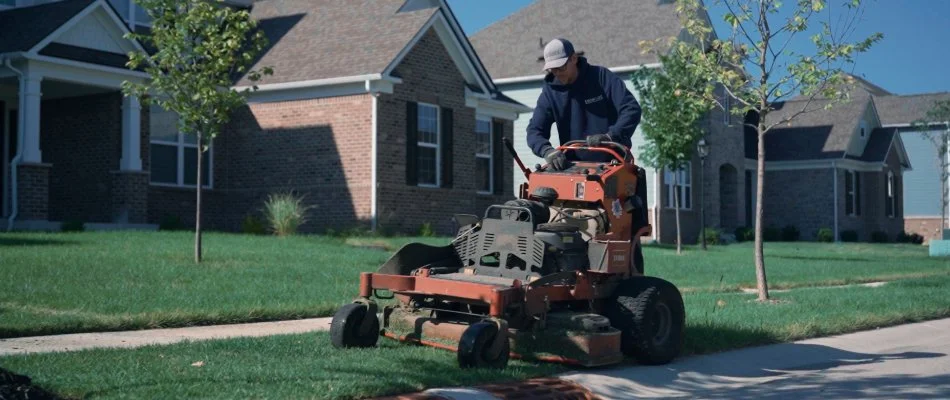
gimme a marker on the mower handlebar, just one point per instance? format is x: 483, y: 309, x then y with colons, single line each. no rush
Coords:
x: 582, y: 145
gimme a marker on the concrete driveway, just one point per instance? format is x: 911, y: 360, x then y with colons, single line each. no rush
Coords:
x: 908, y: 361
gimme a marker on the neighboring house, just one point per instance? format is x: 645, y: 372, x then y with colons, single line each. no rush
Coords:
x: 834, y: 168
x: 921, y: 189
x: 379, y: 112
x: 608, y: 33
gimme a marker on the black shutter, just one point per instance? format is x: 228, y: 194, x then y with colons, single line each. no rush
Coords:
x: 412, y: 123
x: 498, y: 153
x: 446, y: 147
x: 857, y: 193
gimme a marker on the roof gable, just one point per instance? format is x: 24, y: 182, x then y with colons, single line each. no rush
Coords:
x: 321, y: 40
x: 21, y: 29
x: 607, y: 31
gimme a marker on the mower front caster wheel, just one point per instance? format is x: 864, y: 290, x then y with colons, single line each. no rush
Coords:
x: 347, y: 329
x: 475, y: 347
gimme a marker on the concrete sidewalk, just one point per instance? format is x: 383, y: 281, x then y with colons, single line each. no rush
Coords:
x: 130, y: 339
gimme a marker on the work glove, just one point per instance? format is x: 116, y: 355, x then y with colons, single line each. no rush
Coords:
x: 556, y: 159
x: 597, y: 140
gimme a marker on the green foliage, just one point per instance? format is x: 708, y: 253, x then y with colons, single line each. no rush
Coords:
x: 253, y: 225
x: 745, y: 234
x: 771, y: 234
x: 905, y: 237
x: 285, y: 212
x: 72, y: 225
x: 879, y: 237
x: 426, y: 230
x: 171, y: 223
x: 713, y: 236
x: 849, y: 236
x: 790, y: 234
x: 825, y: 235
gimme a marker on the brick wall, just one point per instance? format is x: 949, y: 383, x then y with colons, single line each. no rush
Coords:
x: 725, y: 172
x: 81, y: 137
x: 929, y: 228
x: 802, y: 198
x: 319, y: 149
x: 129, y: 197
x: 430, y: 76
x: 33, y: 192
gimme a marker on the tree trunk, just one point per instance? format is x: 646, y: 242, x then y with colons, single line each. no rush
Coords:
x: 676, y: 210
x: 198, y: 207
x: 760, y: 280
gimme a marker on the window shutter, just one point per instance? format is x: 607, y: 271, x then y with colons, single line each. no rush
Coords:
x: 412, y: 143
x: 857, y: 193
x: 446, y: 147
x: 498, y: 155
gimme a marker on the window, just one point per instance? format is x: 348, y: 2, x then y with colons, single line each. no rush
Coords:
x: 483, y: 155
x: 864, y: 129
x: 726, y: 112
x: 682, y: 188
x: 429, y: 156
x: 852, y: 200
x: 174, y: 156
x: 890, y: 196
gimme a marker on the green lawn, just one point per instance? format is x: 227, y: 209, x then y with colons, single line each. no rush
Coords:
x: 306, y: 366
x: 95, y: 281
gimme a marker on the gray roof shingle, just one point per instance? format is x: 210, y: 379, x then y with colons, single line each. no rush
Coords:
x: 899, y: 110
x: 607, y: 31
x: 320, y: 39
x: 878, y: 144
x: 818, y: 134
x: 24, y: 27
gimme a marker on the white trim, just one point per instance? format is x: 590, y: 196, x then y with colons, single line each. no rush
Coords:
x: 462, y: 38
x: 321, y: 88
x: 937, y: 217
x: 83, y: 73
x: 490, y: 155
x: 863, y: 166
x: 490, y: 107
x: 456, y: 52
x: 680, y: 186
x: 5, y: 157
x: 890, y: 194
x: 834, y: 169
x: 317, y: 82
x: 374, y: 164
x: 616, y: 70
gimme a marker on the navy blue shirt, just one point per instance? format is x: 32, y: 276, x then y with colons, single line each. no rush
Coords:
x: 597, y: 102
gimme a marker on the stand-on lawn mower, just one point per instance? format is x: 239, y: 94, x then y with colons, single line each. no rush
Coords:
x: 556, y: 275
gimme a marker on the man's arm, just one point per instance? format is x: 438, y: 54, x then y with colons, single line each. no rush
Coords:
x: 539, y: 127
x: 628, y: 109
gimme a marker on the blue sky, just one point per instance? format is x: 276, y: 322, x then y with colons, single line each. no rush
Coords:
x: 913, y: 57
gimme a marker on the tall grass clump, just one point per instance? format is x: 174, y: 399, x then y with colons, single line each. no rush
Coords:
x: 285, y: 213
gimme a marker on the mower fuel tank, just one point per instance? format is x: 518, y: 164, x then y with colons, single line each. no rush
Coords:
x: 566, y: 249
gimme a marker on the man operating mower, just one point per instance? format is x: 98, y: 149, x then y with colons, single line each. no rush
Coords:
x: 586, y: 102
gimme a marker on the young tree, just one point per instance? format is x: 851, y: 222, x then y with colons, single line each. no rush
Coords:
x: 198, y: 47
x: 756, y: 67
x: 939, y: 115
x: 675, y: 99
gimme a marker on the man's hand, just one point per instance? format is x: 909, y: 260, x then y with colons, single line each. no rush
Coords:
x: 556, y: 160
x: 597, y: 140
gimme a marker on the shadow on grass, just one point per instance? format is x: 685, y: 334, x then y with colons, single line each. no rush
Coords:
x: 855, y: 259
x: 14, y: 387
x: 10, y: 241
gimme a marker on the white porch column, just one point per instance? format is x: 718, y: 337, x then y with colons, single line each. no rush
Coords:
x: 131, y: 135
x: 30, y: 104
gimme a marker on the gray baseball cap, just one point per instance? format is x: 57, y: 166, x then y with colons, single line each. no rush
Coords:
x: 556, y: 53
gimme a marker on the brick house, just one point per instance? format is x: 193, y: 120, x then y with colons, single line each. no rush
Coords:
x: 379, y: 113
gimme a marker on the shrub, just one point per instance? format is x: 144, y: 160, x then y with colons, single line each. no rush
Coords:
x: 790, y: 233
x: 825, y: 235
x: 253, y: 225
x: 713, y: 236
x: 849, y: 236
x: 771, y: 234
x: 745, y: 234
x: 879, y: 237
x: 914, y: 238
x: 426, y: 230
x: 171, y: 223
x: 285, y: 213
x: 73, y: 225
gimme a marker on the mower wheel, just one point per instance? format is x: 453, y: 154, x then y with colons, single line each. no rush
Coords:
x: 345, y: 327
x: 650, y: 314
x: 475, y: 351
